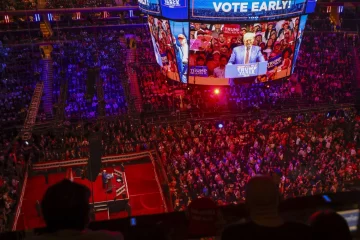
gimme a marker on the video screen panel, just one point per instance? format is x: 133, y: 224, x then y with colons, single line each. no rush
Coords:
x: 212, y: 45
x: 235, y: 10
x: 310, y: 6
x: 299, y: 39
x: 150, y: 6
x: 163, y: 46
x: 174, y: 9
x: 180, y: 31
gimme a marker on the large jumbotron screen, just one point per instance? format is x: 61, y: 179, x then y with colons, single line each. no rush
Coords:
x: 198, y: 53
x: 212, y: 46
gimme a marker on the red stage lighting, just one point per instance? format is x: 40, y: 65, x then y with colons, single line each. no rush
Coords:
x: 216, y: 91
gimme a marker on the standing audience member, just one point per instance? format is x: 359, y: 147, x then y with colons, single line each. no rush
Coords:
x: 262, y: 201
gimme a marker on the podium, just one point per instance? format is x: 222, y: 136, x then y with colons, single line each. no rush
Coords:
x: 245, y: 70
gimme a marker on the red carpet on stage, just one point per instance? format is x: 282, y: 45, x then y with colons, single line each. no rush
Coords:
x: 144, y: 195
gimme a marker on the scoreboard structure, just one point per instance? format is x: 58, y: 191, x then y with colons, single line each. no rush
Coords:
x: 207, y: 41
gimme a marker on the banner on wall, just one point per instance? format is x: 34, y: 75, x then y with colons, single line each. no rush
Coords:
x: 244, y: 10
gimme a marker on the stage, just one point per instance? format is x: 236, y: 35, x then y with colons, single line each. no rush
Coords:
x: 142, y: 193
x: 117, y: 191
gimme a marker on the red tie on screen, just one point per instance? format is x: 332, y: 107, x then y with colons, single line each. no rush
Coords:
x: 247, y: 55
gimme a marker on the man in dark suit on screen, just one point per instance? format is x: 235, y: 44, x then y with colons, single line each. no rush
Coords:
x: 247, y: 53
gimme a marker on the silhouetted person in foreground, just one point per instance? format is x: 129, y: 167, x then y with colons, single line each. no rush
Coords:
x: 66, y: 212
x: 262, y: 201
x: 329, y: 225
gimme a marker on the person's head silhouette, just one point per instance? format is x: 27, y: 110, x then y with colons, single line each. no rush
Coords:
x: 262, y: 192
x: 262, y: 201
x: 65, y: 205
x: 329, y: 225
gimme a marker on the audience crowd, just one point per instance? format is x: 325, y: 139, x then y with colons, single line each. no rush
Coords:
x: 309, y: 153
x: 12, y: 5
x: 18, y: 75
x: 157, y: 94
x: 12, y: 168
x: 162, y: 95
x: 320, y: 21
x: 119, y: 137
x: 306, y: 154
x: 89, y: 53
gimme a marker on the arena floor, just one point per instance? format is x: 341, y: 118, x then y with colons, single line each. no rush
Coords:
x: 144, y: 195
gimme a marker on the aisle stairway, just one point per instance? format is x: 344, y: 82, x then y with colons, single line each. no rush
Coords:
x: 47, y: 78
x: 100, y: 95
x: 60, y: 113
x: 45, y: 28
x: 134, y: 84
x: 32, y: 112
